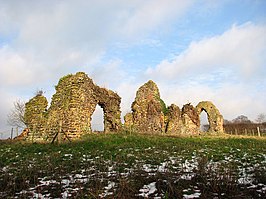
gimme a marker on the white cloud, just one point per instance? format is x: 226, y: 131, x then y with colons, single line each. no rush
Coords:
x: 152, y: 13
x: 44, y: 40
x: 241, y: 49
x: 228, y: 69
x: 48, y: 39
x: 231, y: 99
x: 13, y: 67
x: 51, y: 38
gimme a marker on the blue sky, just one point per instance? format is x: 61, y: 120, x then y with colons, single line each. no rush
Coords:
x: 194, y: 50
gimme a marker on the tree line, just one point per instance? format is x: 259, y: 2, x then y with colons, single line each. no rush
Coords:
x: 241, y: 125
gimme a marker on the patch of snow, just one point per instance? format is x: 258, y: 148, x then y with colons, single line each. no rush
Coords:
x: 189, y: 196
x: 107, y: 189
x: 162, y: 167
x: 5, y: 168
x: 148, y: 189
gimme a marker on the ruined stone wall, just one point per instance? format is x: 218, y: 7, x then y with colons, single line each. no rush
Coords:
x: 75, y: 100
x: 214, y: 117
x: 147, y: 110
x: 128, y: 118
x: 190, y: 119
x: 74, y: 103
x: 173, y: 120
x: 36, y: 117
x: 72, y: 106
x: 149, y: 114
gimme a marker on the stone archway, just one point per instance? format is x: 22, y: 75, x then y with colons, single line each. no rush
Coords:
x: 71, y: 109
x: 214, y: 117
x: 109, y: 101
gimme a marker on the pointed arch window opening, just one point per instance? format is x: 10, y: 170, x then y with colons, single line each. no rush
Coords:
x: 97, y: 119
x: 204, y: 121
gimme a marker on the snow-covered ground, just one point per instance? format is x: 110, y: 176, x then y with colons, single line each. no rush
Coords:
x: 153, y: 175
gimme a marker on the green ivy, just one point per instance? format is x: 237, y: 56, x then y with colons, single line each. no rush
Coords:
x: 164, y: 108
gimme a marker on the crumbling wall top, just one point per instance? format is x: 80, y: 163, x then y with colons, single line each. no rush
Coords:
x: 72, y: 106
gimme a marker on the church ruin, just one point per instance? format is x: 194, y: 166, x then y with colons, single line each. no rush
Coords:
x: 75, y: 100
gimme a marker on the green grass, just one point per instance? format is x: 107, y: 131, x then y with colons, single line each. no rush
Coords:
x: 127, y: 166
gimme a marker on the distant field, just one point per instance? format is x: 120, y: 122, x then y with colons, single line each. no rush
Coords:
x: 135, y: 166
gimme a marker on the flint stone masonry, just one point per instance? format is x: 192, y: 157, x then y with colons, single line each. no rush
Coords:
x: 76, y: 98
x: 128, y: 120
x: 173, y: 119
x: 190, y: 119
x: 214, y: 117
x: 36, y: 117
x: 149, y: 114
x: 72, y: 106
x: 147, y: 111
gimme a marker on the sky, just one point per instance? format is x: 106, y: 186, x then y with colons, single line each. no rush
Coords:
x: 195, y: 51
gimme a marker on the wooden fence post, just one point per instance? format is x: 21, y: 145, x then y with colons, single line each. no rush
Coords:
x: 258, y: 128
x: 11, y: 133
x: 17, y: 131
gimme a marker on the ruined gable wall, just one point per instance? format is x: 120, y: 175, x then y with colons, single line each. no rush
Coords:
x: 147, y: 112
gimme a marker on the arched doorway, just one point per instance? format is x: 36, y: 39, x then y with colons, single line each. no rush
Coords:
x: 204, y: 121
x: 97, y: 120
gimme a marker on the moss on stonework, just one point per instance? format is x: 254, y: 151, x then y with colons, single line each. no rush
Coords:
x: 147, y: 109
x: 75, y: 101
x: 62, y: 79
x: 164, y: 107
x: 36, y: 117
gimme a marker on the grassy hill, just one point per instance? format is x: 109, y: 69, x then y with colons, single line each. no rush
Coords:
x: 135, y: 166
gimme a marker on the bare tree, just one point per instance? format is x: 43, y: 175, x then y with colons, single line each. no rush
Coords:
x: 16, y: 116
x: 227, y: 121
x: 241, y: 119
x: 39, y: 92
x: 261, y: 118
